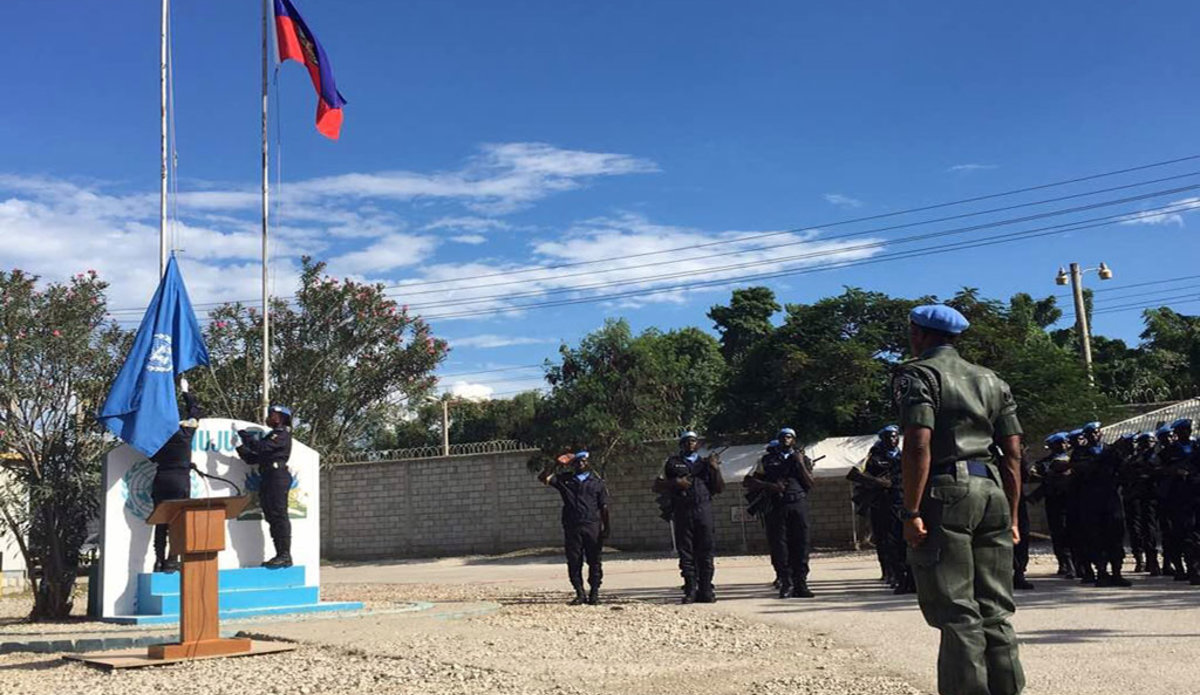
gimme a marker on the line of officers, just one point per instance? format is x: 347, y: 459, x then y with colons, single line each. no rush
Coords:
x: 1144, y: 485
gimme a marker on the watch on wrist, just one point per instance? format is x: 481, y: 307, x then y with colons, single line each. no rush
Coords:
x: 906, y: 515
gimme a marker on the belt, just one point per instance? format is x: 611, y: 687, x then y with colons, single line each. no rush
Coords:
x: 978, y: 469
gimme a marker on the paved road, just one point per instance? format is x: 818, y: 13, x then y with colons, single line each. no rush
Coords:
x: 1075, y: 640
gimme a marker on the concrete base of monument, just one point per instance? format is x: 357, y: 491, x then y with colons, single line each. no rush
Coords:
x: 242, y: 593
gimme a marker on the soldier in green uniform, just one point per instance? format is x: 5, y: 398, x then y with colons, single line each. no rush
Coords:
x: 959, y: 505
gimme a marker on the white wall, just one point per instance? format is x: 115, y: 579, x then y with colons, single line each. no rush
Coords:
x: 126, y: 541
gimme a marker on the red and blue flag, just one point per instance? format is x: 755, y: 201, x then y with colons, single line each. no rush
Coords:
x: 297, y: 42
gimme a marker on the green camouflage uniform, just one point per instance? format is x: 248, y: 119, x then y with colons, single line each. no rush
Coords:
x: 964, y: 568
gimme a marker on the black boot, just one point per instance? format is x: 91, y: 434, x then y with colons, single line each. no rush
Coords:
x: 1086, y: 574
x: 1116, y: 579
x: 689, y: 591
x: 593, y: 598
x: 283, y: 554
x: 1020, y: 582
x: 1139, y: 564
x: 1152, y: 567
x: 706, y: 594
x: 580, y: 597
x: 801, y: 590
x: 785, y: 587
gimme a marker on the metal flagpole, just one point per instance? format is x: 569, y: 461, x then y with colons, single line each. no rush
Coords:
x: 162, y: 85
x: 266, y: 178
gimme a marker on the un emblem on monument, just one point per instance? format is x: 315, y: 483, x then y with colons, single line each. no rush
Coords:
x: 160, y: 354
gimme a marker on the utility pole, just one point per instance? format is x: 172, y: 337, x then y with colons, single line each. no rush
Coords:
x: 446, y: 425
x: 1081, y: 321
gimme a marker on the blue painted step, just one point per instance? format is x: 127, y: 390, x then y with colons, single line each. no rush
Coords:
x: 238, y: 589
x: 239, y: 578
x: 236, y: 600
x: 240, y: 614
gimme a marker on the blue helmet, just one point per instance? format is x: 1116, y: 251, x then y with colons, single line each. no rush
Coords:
x: 581, y: 455
x: 281, y: 409
x: 1091, y: 427
x: 1164, y: 431
x: 1143, y: 436
x: 890, y: 429
x: 1057, y: 438
x: 786, y: 431
x: 688, y: 435
x: 1182, y: 423
x: 773, y: 443
x: 1075, y: 433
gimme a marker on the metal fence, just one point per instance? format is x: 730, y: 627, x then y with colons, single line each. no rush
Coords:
x: 497, y: 446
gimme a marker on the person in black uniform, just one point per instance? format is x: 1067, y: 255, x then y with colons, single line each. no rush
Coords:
x: 876, y: 489
x: 584, y: 520
x: 1180, y: 477
x: 1051, y: 474
x: 1097, y: 468
x: 1080, y: 534
x: 785, y: 474
x: 172, y: 477
x: 270, y: 452
x: 691, y: 482
x: 1141, y: 503
x: 1021, y: 547
x: 1163, y: 481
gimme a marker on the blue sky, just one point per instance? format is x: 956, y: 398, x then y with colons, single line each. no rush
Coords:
x: 484, y: 138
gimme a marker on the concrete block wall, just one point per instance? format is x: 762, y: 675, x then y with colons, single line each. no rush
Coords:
x: 491, y: 503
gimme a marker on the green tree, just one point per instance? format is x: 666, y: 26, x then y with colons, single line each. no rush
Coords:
x: 618, y: 393
x: 58, y: 356
x: 745, y: 322
x: 344, y: 357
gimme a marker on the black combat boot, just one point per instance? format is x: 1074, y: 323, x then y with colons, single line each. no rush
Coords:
x: 580, y: 597
x: 1116, y: 579
x: 1020, y: 582
x: 1139, y: 565
x: 280, y: 561
x: 170, y: 565
x: 593, y: 598
x: 706, y: 594
x: 785, y: 588
x: 1087, y: 575
x: 801, y: 590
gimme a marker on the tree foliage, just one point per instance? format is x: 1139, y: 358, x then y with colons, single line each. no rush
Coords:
x: 344, y: 357
x: 58, y: 354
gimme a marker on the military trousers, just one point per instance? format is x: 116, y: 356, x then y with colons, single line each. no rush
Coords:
x: 1021, y: 549
x: 274, y: 485
x: 964, y: 579
x: 1104, y: 517
x: 695, y: 542
x: 583, y: 543
x: 788, y: 535
x: 882, y: 519
x: 1141, y: 516
x: 169, y: 484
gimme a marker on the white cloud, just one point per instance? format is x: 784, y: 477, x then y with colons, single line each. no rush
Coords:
x: 488, y: 340
x: 842, y: 201
x: 968, y: 168
x: 472, y: 239
x: 467, y: 224
x: 384, y: 254
x: 1172, y: 216
x: 469, y: 391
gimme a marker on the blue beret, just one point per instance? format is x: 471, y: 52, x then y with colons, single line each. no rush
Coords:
x: 786, y: 430
x: 1091, y: 427
x: 890, y: 429
x: 1074, y: 433
x: 688, y: 435
x: 940, y: 317
x: 1057, y: 438
x: 1181, y: 422
x: 281, y: 409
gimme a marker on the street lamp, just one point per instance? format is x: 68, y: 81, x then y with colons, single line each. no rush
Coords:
x: 1075, y: 278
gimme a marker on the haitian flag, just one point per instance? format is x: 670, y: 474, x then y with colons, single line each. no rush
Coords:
x: 297, y: 43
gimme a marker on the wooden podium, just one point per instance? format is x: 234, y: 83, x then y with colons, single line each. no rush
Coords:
x: 197, y: 528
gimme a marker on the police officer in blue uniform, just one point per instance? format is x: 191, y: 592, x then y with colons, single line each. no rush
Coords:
x: 1051, y: 474
x: 1181, y: 477
x: 270, y: 452
x: 172, y: 475
x: 1164, y: 480
x: 878, y: 480
x: 584, y: 521
x: 1096, y: 468
x: 1081, y: 536
x: 1142, y: 503
x: 691, y: 480
x: 784, y: 473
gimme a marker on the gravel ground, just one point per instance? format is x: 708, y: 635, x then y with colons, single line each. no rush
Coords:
x: 534, y: 645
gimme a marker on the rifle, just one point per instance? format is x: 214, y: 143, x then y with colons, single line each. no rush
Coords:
x: 666, y: 500
x: 761, y: 502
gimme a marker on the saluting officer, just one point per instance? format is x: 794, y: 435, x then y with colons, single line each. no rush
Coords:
x: 584, y: 520
x: 691, y: 481
x: 270, y: 452
x: 959, y: 506
x: 1051, y: 472
x: 784, y: 473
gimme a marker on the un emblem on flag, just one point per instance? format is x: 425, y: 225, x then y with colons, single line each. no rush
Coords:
x: 160, y: 354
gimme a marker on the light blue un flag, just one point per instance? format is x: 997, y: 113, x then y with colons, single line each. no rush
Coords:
x: 141, y: 407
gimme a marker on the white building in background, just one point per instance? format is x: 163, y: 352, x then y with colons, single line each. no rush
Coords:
x: 13, y: 574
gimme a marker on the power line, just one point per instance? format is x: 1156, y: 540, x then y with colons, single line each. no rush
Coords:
x: 989, y: 241
x: 813, y: 254
x: 827, y: 225
x: 490, y: 371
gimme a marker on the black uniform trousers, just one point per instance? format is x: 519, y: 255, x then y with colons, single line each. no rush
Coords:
x: 169, y: 484
x: 273, y: 497
x: 881, y: 533
x: 1060, y: 531
x: 1104, y: 518
x: 583, y: 543
x: 1181, y: 541
x: 1079, y: 534
x: 1141, y: 522
x: 1021, y: 549
x: 787, y: 536
x: 694, y: 541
